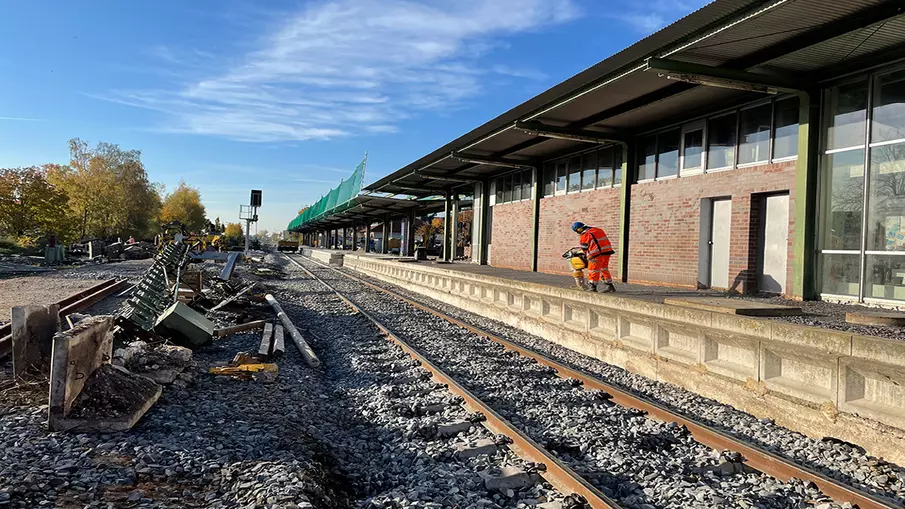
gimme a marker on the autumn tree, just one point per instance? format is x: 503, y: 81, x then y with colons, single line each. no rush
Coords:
x: 30, y: 206
x: 109, y: 193
x: 184, y: 205
x: 428, y: 229
x: 233, y: 230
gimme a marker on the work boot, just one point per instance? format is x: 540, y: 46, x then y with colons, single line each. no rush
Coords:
x: 592, y: 287
x: 609, y: 288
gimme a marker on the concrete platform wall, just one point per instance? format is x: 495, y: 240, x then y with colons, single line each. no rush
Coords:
x: 816, y: 381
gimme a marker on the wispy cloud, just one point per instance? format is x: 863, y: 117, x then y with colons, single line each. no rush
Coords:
x: 22, y: 119
x: 648, y: 16
x: 347, y: 66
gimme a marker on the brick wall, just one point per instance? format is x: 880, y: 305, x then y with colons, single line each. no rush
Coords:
x: 598, y: 208
x: 510, y: 241
x: 665, y: 224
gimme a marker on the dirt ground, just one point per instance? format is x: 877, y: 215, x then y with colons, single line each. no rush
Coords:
x: 37, y: 290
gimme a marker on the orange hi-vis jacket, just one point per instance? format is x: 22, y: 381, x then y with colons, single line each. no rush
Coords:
x: 595, y: 243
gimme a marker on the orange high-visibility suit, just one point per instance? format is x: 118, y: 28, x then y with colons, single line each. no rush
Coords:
x: 598, y: 248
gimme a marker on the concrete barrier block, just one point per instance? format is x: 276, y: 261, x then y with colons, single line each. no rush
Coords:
x: 575, y: 316
x: 602, y: 324
x: 637, y: 332
x: 883, y: 350
x: 732, y: 356
x: 76, y: 354
x: 872, y: 389
x: 761, y: 329
x: 33, y: 328
x: 680, y: 343
x: 806, y: 374
x: 813, y: 337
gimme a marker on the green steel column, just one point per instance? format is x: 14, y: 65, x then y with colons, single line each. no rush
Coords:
x: 447, y: 211
x: 804, y: 255
x: 535, y: 216
x: 625, y: 207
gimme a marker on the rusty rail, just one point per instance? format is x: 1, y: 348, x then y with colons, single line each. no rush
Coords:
x: 759, y: 459
x: 557, y: 473
x: 72, y: 304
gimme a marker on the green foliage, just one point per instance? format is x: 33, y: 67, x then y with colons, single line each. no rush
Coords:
x: 31, y: 207
x: 184, y: 205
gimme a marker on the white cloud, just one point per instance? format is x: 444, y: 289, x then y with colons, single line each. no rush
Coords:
x: 348, y: 66
x: 22, y: 119
x: 648, y: 16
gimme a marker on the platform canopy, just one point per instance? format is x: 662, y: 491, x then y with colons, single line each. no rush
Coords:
x: 364, y: 209
x: 337, y: 198
x: 717, y: 56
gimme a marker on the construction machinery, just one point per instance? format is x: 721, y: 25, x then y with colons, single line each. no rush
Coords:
x: 578, y: 261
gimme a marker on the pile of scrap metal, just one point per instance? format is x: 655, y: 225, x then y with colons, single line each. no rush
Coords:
x: 154, y: 305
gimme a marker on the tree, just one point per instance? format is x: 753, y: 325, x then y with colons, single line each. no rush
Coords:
x: 428, y: 229
x: 233, y: 230
x: 108, y: 191
x: 184, y: 205
x: 30, y: 206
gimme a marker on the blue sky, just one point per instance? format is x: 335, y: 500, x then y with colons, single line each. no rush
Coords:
x: 286, y: 96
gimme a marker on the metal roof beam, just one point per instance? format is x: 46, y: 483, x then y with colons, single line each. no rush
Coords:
x: 536, y: 128
x: 725, y: 78
x: 493, y: 161
x: 461, y: 180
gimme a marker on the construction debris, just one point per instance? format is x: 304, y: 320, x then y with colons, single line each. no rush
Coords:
x: 257, y: 324
x: 266, y: 341
x: 33, y: 328
x: 165, y: 364
x: 307, y: 353
x: 247, y: 367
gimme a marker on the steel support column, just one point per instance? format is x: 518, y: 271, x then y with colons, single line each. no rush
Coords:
x: 368, y: 226
x: 804, y: 259
x: 447, y: 210
x: 385, y: 241
x: 454, y: 229
x: 536, y: 195
x: 410, y: 234
x: 625, y: 208
x: 485, y: 225
x: 354, y: 237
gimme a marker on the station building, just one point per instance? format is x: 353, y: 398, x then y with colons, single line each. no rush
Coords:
x: 753, y: 145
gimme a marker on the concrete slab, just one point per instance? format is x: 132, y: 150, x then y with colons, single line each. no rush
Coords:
x: 266, y: 340
x: 876, y: 318
x: 732, y: 306
x: 508, y: 478
x: 113, y: 399
x: 452, y: 429
x: 33, y: 328
x: 77, y: 353
x: 482, y: 447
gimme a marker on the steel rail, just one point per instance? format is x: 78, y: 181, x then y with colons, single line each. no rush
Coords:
x: 759, y: 459
x: 72, y: 304
x: 557, y: 473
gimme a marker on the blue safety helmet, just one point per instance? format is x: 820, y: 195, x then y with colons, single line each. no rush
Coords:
x: 577, y: 226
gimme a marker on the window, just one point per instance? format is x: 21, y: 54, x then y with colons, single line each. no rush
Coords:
x: 848, y: 117
x: 693, y: 150
x: 527, y: 182
x: 886, y: 210
x: 498, y: 187
x: 589, y: 176
x: 549, y: 179
x: 668, y: 158
x: 574, y: 174
x: 647, y: 157
x: 617, y: 166
x: 785, y: 134
x: 516, y: 187
x: 561, y: 177
x: 843, y: 193
x: 721, y: 142
x: 888, y: 122
x: 605, y: 167
x: 754, y: 134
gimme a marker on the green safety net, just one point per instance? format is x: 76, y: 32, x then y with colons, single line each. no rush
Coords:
x: 336, y: 198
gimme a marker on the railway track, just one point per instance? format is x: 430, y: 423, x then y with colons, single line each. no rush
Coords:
x: 562, y: 474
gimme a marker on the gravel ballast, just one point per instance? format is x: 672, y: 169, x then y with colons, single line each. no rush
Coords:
x: 639, y: 461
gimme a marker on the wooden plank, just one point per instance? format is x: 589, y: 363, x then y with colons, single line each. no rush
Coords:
x: 257, y: 324
x: 266, y: 340
x: 732, y: 306
x: 279, y: 343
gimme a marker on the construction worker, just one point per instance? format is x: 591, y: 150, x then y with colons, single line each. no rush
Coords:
x: 598, y: 250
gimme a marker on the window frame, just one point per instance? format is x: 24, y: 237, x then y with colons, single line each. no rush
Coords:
x: 697, y: 125
x: 734, y: 163
x: 773, y: 158
x: 678, y: 161
x: 738, y: 133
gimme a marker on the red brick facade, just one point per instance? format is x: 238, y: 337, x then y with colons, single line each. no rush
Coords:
x: 510, y: 240
x: 598, y: 208
x: 666, y: 216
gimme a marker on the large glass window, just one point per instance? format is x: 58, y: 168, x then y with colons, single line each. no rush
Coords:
x: 498, y: 190
x: 848, y: 115
x: 841, y: 273
x: 647, y: 158
x: 527, y: 182
x: 549, y: 179
x: 668, y: 157
x: 574, y: 174
x: 516, y: 186
x: 561, y: 172
x: 721, y: 142
x: 507, y: 189
x: 886, y: 212
x: 589, y: 177
x: 785, y: 134
x: 843, y: 191
x: 605, y: 167
x: 888, y: 120
x: 754, y: 134
x: 885, y: 276
x: 617, y: 166
x: 693, y: 150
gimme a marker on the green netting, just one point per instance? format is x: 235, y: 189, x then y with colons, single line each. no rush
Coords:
x: 336, y: 198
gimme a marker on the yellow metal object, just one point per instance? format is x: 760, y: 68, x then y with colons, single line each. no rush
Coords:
x: 577, y: 263
x: 244, y: 368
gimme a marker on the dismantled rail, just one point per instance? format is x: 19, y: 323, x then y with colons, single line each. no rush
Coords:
x: 759, y: 459
x: 557, y: 473
x: 72, y: 304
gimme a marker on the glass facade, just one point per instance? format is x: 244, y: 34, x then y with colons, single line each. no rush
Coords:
x: 594, y: 169
x: 863, y: 189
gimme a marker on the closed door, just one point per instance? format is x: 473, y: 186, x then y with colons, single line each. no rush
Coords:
x: 775, y: 247
x: 719, y: 243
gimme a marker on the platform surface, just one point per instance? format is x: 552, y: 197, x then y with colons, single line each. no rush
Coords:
x: 733, y: 306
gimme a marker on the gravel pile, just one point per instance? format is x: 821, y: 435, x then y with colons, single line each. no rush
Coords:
x: 840, y: 461
x: 132, y: 270
x: 640, y: 462
x: 387, y: 432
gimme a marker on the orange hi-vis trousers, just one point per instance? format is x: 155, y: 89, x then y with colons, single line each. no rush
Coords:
x: 599, y: 266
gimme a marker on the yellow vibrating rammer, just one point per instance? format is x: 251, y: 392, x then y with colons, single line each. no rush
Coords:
x: 579, y: 261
